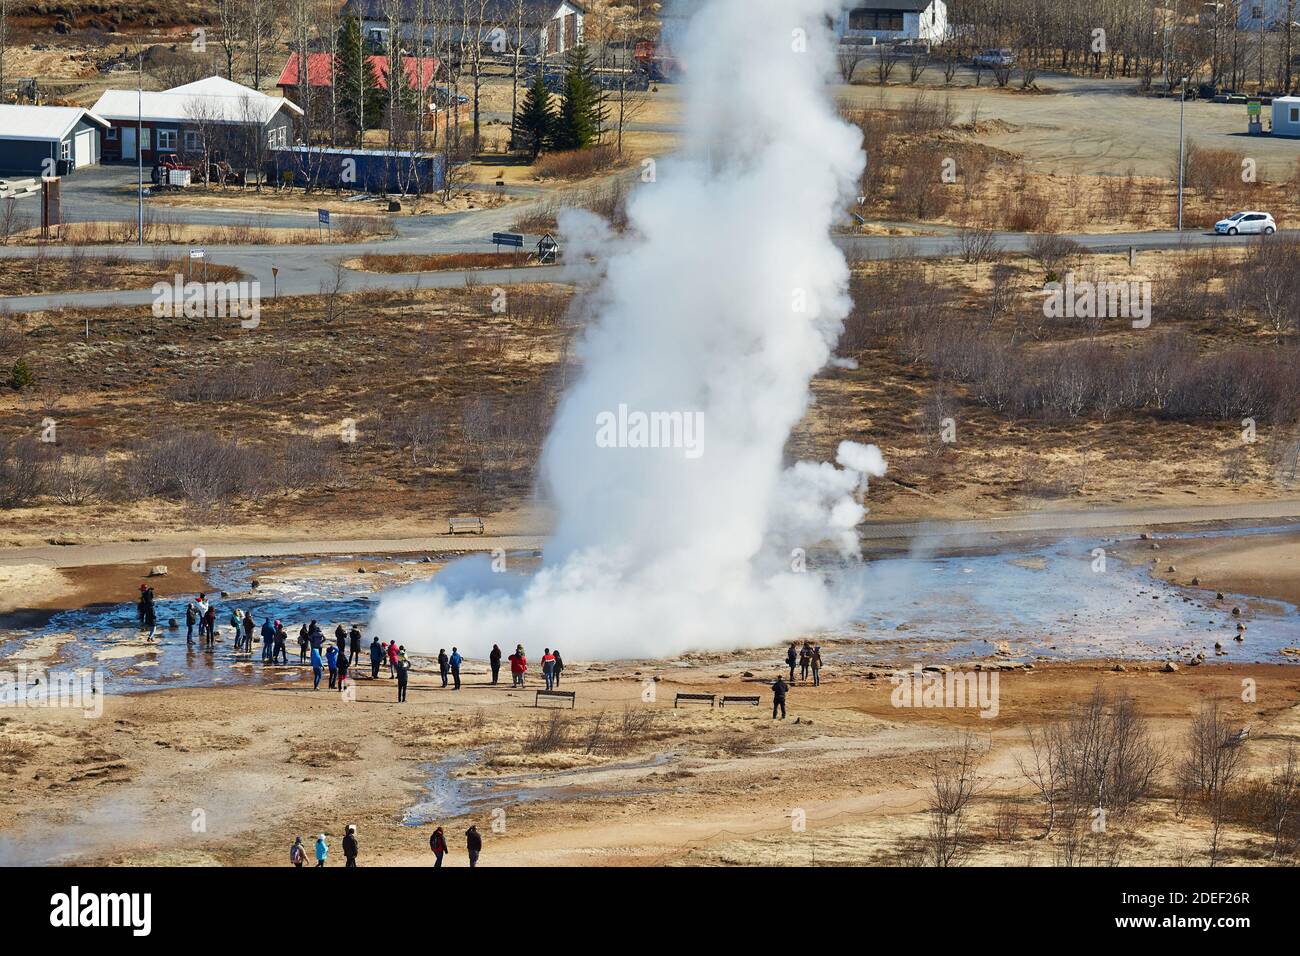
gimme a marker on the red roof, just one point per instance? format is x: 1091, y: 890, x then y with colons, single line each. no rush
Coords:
x: 320, y: 70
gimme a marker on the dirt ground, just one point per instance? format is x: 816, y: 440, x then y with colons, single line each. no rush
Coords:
x: 691, y: 784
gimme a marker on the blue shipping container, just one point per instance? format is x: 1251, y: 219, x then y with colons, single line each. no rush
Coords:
x: 365, y: 170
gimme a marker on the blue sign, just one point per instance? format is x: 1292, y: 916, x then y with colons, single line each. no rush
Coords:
x: 323, y: 216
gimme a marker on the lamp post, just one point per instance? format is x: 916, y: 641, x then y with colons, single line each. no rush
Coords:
x: 1182, y: 99
x: 139, y: 154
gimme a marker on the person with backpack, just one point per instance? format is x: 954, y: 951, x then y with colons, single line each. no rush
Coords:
x: 805, y: 660
x: 297, y: 853
x: 376, y: 658
x: 402, y: 666
x: 341, y: 662
x: 392, y: 658
x: 316, y: 668
x: 438, y: 844
x: 474, y: 844
x: 817, y: 666
x: 354, y: 645
x: 495, y: 660
x: 518, y: 667
x: 210, y: 624
x: 350, y: 845
x: 268, y: 640
x: 191, y: 617
x: 281, y: 653
x: 792, y: 658
x: 322, y: 850
x: 237, y: 625
x: 444, y: 664
x: 558, y: 667
x: 779, y: 690
x: 248, y: 632
x: 548, y: 668
x: 455, y: 661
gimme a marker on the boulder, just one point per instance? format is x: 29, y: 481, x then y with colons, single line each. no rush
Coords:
x: 1170, y: 667
x: 158, y: 571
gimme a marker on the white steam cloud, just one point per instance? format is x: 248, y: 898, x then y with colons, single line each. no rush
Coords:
x: 716, y: 307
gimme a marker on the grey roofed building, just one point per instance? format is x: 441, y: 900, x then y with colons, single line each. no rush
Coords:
x: 550, y: 26
x: 48, y: 140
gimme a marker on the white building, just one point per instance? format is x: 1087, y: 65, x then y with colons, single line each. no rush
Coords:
x: 1286, y: 116
x: 1264, y: 14
x: 549, y: 26
x: 882, y: 20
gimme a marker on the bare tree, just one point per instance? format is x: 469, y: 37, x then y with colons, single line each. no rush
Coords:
x: 1211, y: 766
x: 953, y: 784
x: 230, y: 21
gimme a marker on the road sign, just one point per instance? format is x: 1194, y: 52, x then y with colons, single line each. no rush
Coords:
x: 196, y: 253
x: 323, y: 217
x: 1252, y: 108
x: 508, y: 239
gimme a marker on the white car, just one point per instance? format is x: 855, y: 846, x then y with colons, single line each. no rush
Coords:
x: 1246, y: 224
x: 994, y: 58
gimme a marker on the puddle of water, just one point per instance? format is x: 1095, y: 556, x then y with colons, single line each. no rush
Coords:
x: 1050, y: 602
x: 444, y: 795
x: 131, y: 664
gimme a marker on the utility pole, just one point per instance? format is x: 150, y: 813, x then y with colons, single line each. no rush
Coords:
x: 139, y: 153
x: 1182, y: 100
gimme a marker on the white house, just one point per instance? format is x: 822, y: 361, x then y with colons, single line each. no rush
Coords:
x: 549, y: 26
x: 894, y: 20
x: 1286, y: 116
x: 181, y: 119
x: 1264, y: 14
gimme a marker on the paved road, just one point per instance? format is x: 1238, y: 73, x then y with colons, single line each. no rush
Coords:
x: 311, y: 269
x: 1038, y: 522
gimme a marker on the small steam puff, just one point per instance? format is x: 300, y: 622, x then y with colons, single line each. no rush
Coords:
x: 722, y: 299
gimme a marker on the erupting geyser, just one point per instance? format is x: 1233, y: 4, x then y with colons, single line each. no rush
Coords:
x: 718, y: 304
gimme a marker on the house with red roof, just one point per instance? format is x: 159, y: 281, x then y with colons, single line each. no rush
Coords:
x: 421, y: 73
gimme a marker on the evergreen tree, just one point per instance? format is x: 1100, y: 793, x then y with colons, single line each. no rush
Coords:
x: 582, y: 114
x: 355, y: 81
x: 535, y: 121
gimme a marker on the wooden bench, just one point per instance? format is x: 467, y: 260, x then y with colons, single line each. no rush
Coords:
x: 465, y: 523
x: 571, y: 695
x: 736, y: 699
x: 699, y: 698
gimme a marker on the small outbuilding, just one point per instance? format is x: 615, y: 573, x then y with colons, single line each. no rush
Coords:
x: 48, y: 140
x: 1286, y: 116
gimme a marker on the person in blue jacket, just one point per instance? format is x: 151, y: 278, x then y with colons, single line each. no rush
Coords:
x: 455, y: 661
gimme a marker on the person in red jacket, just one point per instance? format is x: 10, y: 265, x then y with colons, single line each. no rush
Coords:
x: 438, y: 844
x: 392, y: 658
x: 518, y: 666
